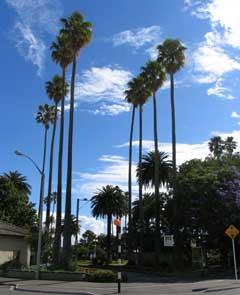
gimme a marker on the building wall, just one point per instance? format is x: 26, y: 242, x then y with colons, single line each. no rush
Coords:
x: 13, y: 247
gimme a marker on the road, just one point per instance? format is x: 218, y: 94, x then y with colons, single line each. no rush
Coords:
x: 211, y: 287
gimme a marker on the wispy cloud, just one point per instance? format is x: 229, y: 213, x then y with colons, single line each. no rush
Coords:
x: 113, y: 171
x: 214, y: 57
x: 235, y: 115
x: 104, y: 87
x: 34, y: 19
x: 147, y: 37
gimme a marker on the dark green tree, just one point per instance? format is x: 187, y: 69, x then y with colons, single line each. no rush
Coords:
x: 109, y: 201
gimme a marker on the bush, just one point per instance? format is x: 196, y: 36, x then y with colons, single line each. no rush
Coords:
x: 104, y: 276
x: 13, y: 264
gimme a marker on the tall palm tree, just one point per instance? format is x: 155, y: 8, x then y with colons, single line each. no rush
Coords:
x: 130, y: 98
x: 109, y: 201
x: 140, y: 92
x: 19, y: 181
x: 79, y: 33
x: 171, y: 57
x: 155, y: 76
x: 44, y: 116
x: 54, y: 92
x: 62, y: 54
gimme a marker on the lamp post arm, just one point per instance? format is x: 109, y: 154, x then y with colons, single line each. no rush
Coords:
x: 34, y: 163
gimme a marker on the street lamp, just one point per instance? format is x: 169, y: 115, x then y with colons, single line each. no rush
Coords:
x: 77, y: 215
x: 40, y: 216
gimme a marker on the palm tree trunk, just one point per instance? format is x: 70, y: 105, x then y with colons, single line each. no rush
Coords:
x: 156, y: 180
x: 109, y: 222
x: 173, y: 136
x: 130, y: 187
x: 68, y: 203
x: 57, y: 238
x: 141, y: 217
x: 51, y: 170
x: 43, y: 165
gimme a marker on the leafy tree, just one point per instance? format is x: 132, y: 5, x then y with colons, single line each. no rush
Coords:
x: 15, y: 206
x: 171, y: 57
x: 62, y: 54
x: 155, y: 76
x: 79, y: 34
x: 19, y: 181
x: 207, y: 201
x: 107, y: 202
x: 54, y: 92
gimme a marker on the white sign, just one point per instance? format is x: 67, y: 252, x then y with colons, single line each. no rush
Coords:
x: 168, y: 241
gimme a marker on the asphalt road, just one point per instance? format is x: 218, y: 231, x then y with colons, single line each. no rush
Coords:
x: 211, y: 287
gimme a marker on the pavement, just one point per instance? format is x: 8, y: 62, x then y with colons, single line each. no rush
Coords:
x: 10, y: 286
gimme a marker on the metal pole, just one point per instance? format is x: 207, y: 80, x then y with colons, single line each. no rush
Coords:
x: 77, y: 221
x: 40, y: 227
x: 119, y: 257
x: 234, y: 259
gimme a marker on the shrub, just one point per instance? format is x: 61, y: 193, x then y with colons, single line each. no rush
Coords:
x: 102, y: 276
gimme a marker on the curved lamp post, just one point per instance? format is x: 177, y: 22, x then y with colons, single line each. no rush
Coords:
x: 40, y: 217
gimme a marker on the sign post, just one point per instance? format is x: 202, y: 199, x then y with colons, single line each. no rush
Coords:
x: 232, y: 232
x: 117, y: 222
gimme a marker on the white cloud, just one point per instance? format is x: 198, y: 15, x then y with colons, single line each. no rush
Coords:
x: 219, y: 90
x: 147, y: 37
x: 104, y: 86
x: 138, y: 37
x: 235, y: 115
x: 214, y: 57
x: 112, y: 109
x: 91, y: 223
x: 30, y: 47
x: 34, y: 19
x: 114, y: 172
x: 185, y: 151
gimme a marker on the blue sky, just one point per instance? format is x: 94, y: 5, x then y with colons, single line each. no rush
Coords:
x: 124, y: 38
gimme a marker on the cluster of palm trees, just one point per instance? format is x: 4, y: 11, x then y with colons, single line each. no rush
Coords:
x: 152, y: 77
x: 74, y: 35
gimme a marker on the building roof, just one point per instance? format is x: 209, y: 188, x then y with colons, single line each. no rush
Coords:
x: 7, y: 229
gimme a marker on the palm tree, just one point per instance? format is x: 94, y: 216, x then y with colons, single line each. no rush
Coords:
x: 148, y: 169
x: 109, y: 201
x: 140, y: 93
x: 54, y: 91
x: 171, y: 57
x: 79, y: 33
x: 216, y: 146
x: 19, y: 181
x: 62, y: 54
x: 130, y: 98
x: 230, y: 145
x: 44, y: 116
x: 155, y: 77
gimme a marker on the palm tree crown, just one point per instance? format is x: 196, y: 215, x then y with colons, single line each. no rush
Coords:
x: 148, y: 164
x: 171, y: 55
x: 154, y: 74
x: 62, y: 52
x: 79, y: 31
x: 45, y: 115
x: 54, y: 88
x: 19, y: 181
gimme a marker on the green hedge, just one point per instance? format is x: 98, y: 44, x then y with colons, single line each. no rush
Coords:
x: 102, y: 276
